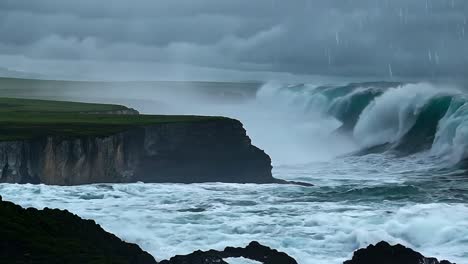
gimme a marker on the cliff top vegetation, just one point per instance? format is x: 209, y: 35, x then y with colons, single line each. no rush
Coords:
x: 29, y: 118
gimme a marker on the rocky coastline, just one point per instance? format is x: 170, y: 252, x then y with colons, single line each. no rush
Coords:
x: 58, y: 236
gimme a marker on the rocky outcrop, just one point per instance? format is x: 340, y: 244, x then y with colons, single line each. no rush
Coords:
x: 254, y: 251
x: 384, y: 253
x: 56, y: 236
x: 190, y: 152
x: 381, y: 253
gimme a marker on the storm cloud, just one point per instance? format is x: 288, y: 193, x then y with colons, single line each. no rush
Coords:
x: 419, y: 39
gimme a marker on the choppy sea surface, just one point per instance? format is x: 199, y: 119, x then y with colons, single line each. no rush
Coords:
x: 357, y: 200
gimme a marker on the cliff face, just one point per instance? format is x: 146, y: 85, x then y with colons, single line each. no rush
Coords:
x: 215, y: 150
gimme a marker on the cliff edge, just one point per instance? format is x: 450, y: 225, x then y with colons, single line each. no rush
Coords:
x: 70, y: 143
x: 212, y: 150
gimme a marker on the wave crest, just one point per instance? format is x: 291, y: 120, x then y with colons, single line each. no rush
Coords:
x: 408, y: 118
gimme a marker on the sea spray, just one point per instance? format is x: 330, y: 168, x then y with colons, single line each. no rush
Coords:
x: 405, y: 117
x: 390, y: 116
x: 451, y: 139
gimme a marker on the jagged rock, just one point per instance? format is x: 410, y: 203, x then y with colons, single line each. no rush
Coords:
x: 254, y: 251
x: 384, y: 253
x: 56, y: 236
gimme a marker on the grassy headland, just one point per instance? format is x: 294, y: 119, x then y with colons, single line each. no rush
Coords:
x: 27, y: 118
x: 17, y: 105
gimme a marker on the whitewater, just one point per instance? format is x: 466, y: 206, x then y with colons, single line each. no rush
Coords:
x: 387, y: 161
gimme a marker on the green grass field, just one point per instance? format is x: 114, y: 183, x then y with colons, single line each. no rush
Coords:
x: 16, y: 105
x: 25, y: 119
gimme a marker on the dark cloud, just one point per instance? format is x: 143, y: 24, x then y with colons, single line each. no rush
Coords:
x: 371, y: 38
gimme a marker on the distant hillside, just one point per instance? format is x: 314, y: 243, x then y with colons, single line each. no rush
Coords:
x: 7, y: 73
x: 55, y: 89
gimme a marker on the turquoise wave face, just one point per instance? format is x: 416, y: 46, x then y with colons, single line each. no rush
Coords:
x: 388, y: 116
x: 346, y: 102
x: 422, y: 133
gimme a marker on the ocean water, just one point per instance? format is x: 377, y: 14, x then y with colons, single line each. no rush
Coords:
x: 396, y: 172
x: 356, y: 201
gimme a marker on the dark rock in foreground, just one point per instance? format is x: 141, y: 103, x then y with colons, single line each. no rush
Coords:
x: 384, y: 253
x: 254, y: 251
x: 56, y: 236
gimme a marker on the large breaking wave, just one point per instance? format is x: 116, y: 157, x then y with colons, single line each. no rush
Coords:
x: 390, y: 116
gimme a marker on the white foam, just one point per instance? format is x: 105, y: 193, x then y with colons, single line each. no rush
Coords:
x: 290, y: 124
x: 451, y: 140
x: 171, y: 219
x: 391, y: 115
x: 240, y: 261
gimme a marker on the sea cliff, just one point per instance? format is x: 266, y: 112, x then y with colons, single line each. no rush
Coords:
x: 181, y: 152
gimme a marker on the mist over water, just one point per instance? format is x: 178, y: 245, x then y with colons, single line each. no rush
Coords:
x: 277, y: 121
x: 285, y: 123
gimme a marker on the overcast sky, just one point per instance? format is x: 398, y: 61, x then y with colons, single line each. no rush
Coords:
x: 377, y: 39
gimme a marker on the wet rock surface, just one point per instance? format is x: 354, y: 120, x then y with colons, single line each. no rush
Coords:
x: 384, y: 253
x: 56, y: 236
x: 254, y: 251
